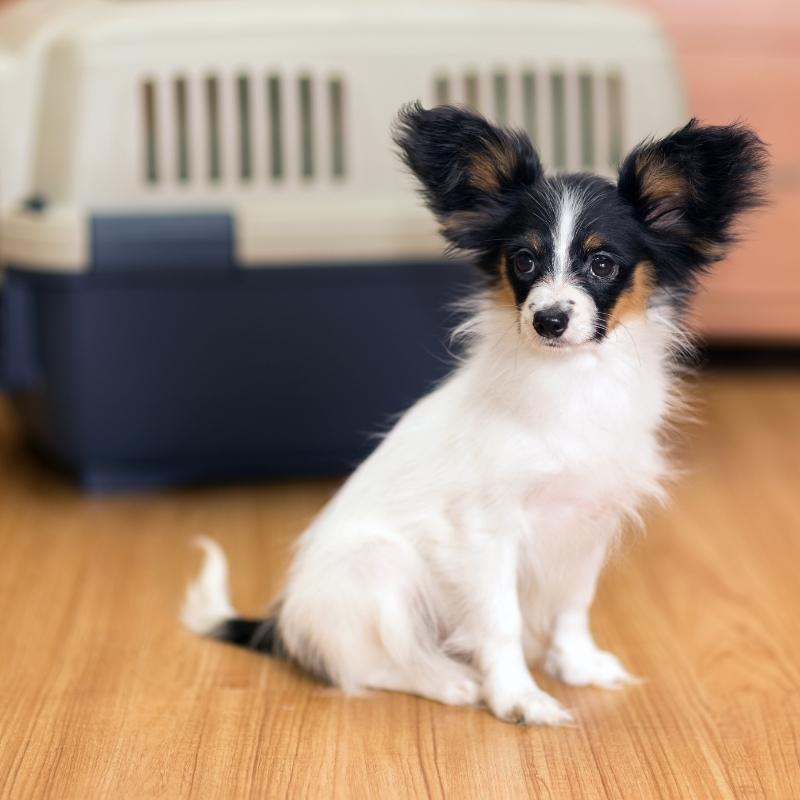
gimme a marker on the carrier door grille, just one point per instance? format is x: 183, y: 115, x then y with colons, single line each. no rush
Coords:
x: 247, y: 129
x: 575, y: 119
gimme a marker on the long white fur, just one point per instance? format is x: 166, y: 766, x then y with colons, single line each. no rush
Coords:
x: 568, y: 212
x: 207, y: 603
x: 468, y: 545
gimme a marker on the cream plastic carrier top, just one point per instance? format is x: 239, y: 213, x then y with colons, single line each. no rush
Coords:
x: 278, y: 112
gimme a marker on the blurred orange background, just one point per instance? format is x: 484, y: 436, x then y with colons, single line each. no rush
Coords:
x: 741, y: 60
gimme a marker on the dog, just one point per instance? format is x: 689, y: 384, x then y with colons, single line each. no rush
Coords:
x: 467, y: 547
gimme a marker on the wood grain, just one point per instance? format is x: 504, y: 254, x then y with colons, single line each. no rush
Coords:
x: 103, y: 695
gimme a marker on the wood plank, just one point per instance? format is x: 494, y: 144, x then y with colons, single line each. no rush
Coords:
x: 103, y: 695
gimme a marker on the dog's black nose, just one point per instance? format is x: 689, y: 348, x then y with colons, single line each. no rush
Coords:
x: 550, y: 323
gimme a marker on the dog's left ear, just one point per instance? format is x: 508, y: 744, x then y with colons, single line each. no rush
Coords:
x: 471, y: 172
x: 689, y: 188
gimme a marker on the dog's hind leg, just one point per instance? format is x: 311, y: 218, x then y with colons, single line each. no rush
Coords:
x: 441, y: 679
x: 412, y: 657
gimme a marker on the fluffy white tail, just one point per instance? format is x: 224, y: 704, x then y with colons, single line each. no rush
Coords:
x: 207, y: 605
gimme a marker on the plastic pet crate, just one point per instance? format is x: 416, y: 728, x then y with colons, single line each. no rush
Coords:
x: 213, y: 264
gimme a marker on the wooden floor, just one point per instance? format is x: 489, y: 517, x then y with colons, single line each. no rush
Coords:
x: 103, y: 695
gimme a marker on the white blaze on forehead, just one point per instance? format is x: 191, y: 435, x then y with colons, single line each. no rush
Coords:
x: 567, y: 217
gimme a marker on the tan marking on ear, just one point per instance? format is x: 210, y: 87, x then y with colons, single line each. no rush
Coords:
x: 483, y: 174
x: 491, y: 166
x: 658, y: 179
x: 592, y: 242
x: 710, y: 250
x: 633, y: 301
x: 459, y: 219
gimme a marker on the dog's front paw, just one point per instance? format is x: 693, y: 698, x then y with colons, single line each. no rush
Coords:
x: 529, y: 707
x: 587, y: 667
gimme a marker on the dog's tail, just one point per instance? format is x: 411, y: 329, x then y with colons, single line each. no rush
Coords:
x: 207, y: 609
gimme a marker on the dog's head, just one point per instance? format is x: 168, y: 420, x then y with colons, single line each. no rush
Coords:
x: 577, y: 254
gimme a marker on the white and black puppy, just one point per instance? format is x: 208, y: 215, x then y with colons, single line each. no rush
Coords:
x: 467, y: 547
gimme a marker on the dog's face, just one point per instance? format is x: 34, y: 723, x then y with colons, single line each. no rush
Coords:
x: 573, y: 261
x: 577, y: 255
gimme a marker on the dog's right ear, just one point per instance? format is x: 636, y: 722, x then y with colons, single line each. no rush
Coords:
x: 688, y: 190
x: 471, y: 171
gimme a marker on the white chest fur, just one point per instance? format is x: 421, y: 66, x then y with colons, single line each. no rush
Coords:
x: 515, y: 434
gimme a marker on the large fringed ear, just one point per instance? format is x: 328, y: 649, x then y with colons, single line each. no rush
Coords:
x: 470, y: 171
x: 689, y: 188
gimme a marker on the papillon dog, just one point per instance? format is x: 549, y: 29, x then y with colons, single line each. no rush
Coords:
x: 467, y: 547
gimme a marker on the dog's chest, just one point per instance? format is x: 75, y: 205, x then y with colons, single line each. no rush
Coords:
x: 589, y: 444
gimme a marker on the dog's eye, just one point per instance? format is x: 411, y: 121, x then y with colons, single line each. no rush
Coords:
x: 603, y: 266
x: 524, y: 262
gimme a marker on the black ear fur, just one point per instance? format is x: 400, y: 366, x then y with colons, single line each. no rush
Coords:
x: 469, y: 170
x: 689, y: 188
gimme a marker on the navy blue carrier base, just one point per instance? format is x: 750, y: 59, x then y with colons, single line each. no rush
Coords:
x: 167, y: 363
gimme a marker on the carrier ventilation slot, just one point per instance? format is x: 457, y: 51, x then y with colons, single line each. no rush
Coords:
x: 558, y: 113
x: 213, y: 128
x: 615, y: 140
x: 275, y: 122
x: 182, y: 129
x: 306, y: 129
x: 282, y: 129
x: 336, y: 95
x: 586, y: 95
x: 245, y: 127
x: 583, y: 113
x: 441, y: 90
x: 150, y: 119
x: 500, y: 91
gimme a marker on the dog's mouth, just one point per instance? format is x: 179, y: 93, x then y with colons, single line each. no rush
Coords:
x: 561, y: 345
x: 558, y: 344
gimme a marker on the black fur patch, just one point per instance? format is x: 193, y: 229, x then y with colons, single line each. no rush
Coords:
x: 263, y: 636
x: 254, y: 634
x: 472, y: 173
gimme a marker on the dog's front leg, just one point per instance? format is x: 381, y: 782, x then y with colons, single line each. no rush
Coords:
x: 495, y: 625
x: 573, y: 657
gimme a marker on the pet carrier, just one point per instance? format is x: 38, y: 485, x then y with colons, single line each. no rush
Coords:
x: 213, y: 264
